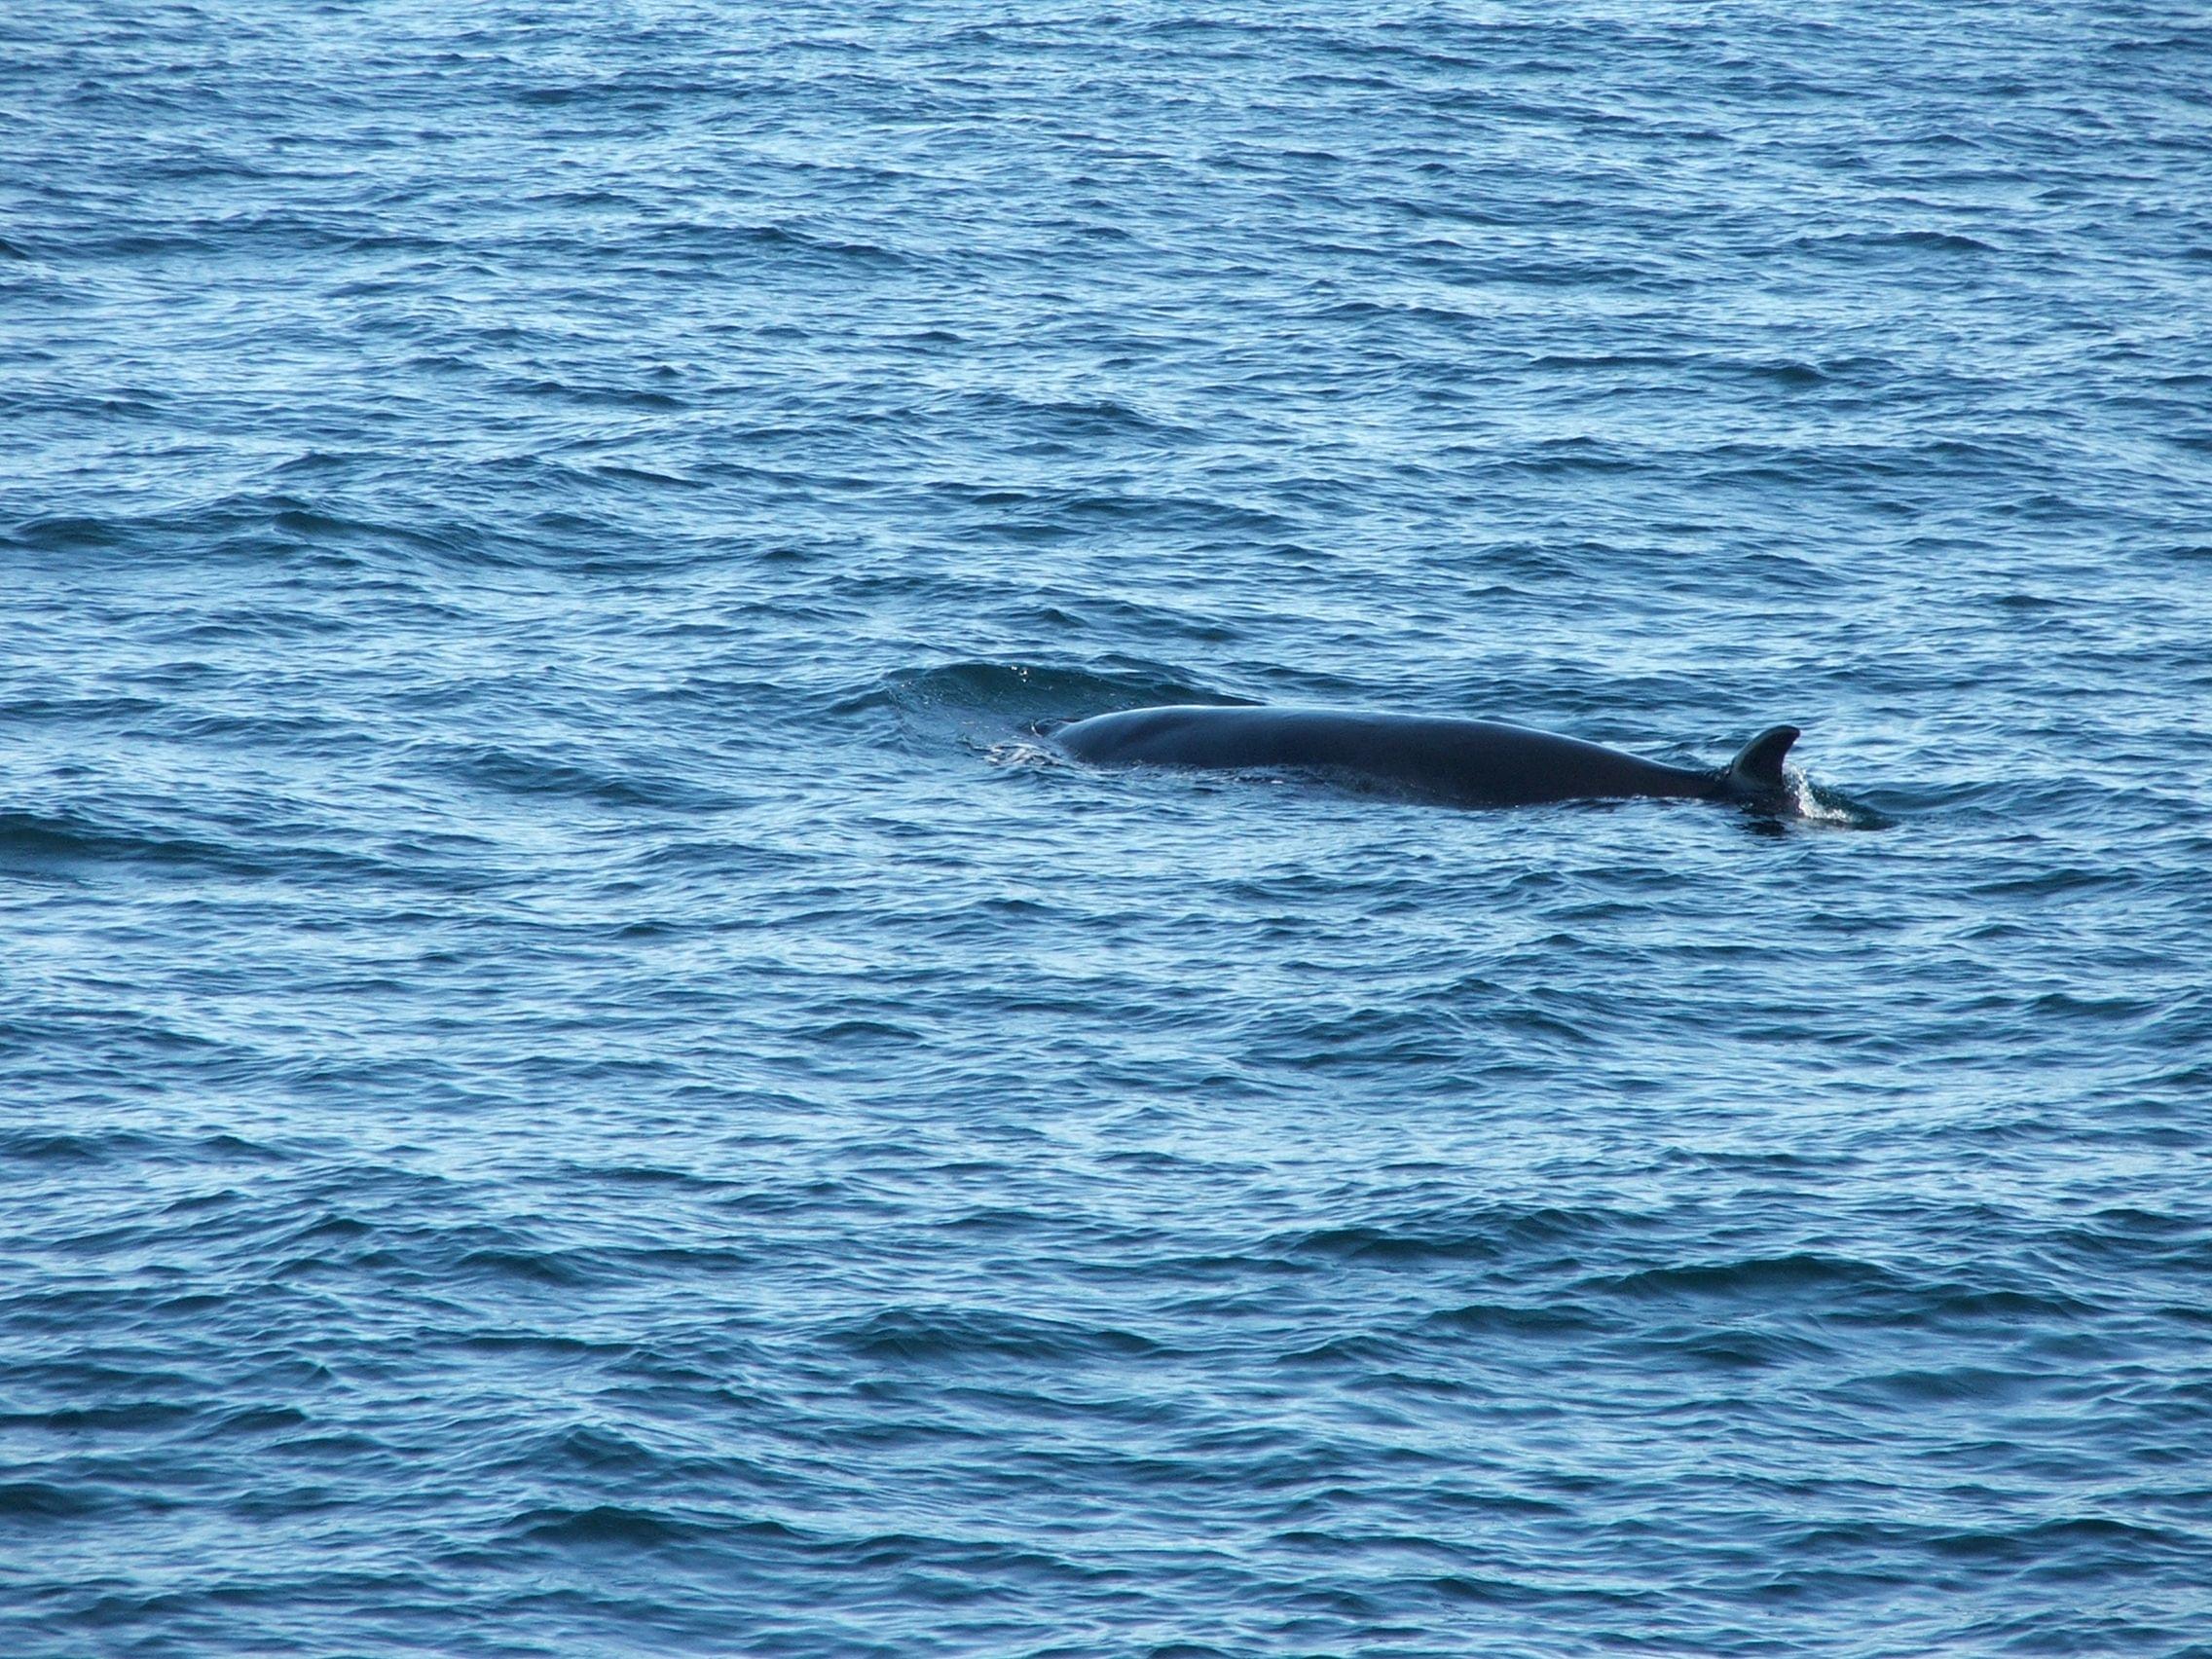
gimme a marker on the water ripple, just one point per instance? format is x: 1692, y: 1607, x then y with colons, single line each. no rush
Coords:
x: 583, y: 1078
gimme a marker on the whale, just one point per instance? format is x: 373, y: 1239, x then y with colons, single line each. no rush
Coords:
x: 1436, y: 757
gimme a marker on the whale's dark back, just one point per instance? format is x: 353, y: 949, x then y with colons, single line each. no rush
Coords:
x: 1467, y: 763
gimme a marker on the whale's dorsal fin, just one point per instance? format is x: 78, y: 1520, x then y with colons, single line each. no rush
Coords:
x: 1756, y: 769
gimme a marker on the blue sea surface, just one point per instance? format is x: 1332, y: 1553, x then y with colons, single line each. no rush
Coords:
x: 578, y: 1077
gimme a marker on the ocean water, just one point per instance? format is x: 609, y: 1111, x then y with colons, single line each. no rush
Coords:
x: 578, y: 1078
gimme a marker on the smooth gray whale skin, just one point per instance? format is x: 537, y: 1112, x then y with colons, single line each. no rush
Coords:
x: 1458, y: 761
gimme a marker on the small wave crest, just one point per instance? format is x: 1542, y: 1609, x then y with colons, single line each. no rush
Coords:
x: 1818, y: 803
x: 995, y: 704
x: 1022, y: 752
x: 32, y: 842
